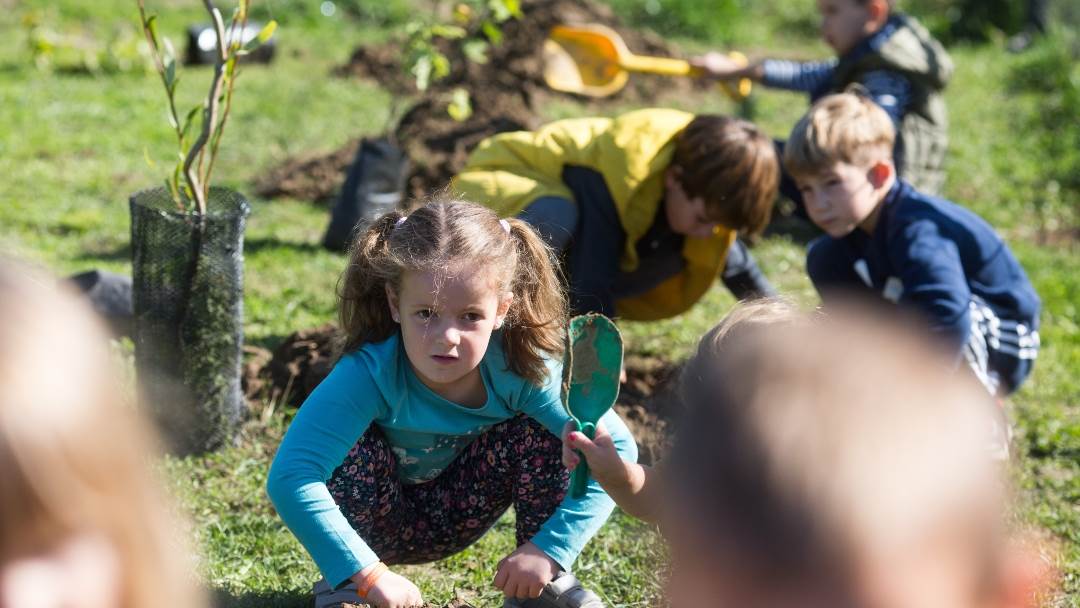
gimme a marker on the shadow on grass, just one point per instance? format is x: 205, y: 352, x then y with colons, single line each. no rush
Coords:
x: 280, y: 599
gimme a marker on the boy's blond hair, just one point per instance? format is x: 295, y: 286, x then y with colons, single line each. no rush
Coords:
x: 75, y: 454
x: 844, y: 127
x: 818, y: 456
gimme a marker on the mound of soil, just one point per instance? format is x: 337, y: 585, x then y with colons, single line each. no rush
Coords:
x: 297, y: 365
x: 308, y: 177
x: 506, y: 93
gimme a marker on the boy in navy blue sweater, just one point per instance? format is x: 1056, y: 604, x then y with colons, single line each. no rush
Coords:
x: 883, y: 236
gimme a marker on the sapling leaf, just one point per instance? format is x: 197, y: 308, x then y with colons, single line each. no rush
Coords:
x: 151, y: 26
x: 475, y: 50
x: 499, y: 9
x: 267, y: 31
x: 422, y: 71
x: 146, y: 156
x: 460, y: 108
x: 514, y: 7
x: 450, y: 32
x: 189, y: 120
x: 264, y: 34
x: 170, y: 66
x: 440, y: 65
x: 492, y: 31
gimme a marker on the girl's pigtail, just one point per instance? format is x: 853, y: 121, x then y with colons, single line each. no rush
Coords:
x: 364, y: 311
x: 536, y: 321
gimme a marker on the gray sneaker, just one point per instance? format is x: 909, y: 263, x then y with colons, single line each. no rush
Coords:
x: 563, y: 592
x: 328, y: 597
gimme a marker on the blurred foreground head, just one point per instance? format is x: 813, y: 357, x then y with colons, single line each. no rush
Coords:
x: 83, y: 521
x: 840, y: 465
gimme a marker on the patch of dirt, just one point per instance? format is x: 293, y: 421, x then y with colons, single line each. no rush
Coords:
x: 294, y: 368
x: 314, y: 177
x: 507, y: 93
x: 303, y: 359
x: 648, y: 406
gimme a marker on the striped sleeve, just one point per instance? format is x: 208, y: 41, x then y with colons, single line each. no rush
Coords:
x: 805, y: 76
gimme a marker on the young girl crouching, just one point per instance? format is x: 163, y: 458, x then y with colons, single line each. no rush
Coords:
x: 442, y: 412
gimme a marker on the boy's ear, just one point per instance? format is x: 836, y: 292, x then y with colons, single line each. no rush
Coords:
x: 880, y: 174
x: 672, y: 175
x: 392, y: 302
x: 878, y: 11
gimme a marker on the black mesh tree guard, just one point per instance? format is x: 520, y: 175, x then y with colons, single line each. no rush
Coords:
x: 187, y: 274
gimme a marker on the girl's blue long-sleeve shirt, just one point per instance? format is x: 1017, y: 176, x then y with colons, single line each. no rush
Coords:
x: 376, y: 385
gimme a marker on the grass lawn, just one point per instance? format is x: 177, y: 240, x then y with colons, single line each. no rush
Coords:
x: 74, y: 146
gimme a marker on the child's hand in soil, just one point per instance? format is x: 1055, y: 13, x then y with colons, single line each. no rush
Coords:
x: 392, y: 590
x: 605, y: 464
x: 523, y: 573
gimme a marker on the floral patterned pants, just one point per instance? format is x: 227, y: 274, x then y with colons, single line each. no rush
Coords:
x: 517, y: 462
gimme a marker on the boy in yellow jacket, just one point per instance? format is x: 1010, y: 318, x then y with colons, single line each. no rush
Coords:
x: 645, y: 207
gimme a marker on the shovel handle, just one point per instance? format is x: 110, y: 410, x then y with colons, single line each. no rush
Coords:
x: 579, y: 477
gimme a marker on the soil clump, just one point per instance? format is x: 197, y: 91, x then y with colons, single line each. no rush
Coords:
x: 294, y: 368
x: 507, y: 93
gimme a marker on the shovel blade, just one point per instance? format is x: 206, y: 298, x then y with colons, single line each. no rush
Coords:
x: 584, y: 61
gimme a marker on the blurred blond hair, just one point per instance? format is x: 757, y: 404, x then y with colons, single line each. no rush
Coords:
x: 843, y: 127
x: 839, y: 454
x: 75, y: 457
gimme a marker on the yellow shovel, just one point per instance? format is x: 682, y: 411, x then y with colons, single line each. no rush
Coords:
x: 593, y: 60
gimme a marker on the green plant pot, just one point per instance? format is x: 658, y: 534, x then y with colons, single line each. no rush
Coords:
x: 187, y: 280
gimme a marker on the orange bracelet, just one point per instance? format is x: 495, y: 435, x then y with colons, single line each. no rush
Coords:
x: 364, y: 586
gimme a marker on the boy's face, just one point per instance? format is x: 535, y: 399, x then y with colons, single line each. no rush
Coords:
x: 685, y: 215
x: 843, y: 197
x: 844, y: 23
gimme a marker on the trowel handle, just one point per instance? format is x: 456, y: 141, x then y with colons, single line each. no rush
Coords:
x: 579, y: 477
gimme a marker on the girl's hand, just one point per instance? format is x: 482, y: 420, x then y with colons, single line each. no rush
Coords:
x: 717, y: 65
x: 392, y: 590
x: 605, y: 465
x: 523, y: 573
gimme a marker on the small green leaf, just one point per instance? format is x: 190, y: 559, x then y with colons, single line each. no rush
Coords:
x: 475, y: 50
x: 422, y: 71
x: 440, y: 65
x: 499, y: 10
x: 450, y: 32
x: 151, y: 26
x: 263, y: 35
x: 267, y: 31
x: 460, y: 108
x: 170, y: 66
x: 170, y: 74
x: 192, y: 113
x: 514, y: 6
x: 492, y: 31
x: 149, y: 161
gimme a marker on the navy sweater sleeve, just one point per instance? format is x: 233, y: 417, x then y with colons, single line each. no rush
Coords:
x: 930, y: 268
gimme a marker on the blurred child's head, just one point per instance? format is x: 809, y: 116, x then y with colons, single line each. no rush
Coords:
x: 840, y: 156
x: 724, y: 172
x: 83, y: 522
x: 838, y: 465
x: 448, y: 274
x: 844, y: 23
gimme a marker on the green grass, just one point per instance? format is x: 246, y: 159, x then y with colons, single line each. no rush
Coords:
x: 74, y: 147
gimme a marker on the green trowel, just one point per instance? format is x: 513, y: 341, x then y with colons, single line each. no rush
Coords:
x: 591, y: 369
